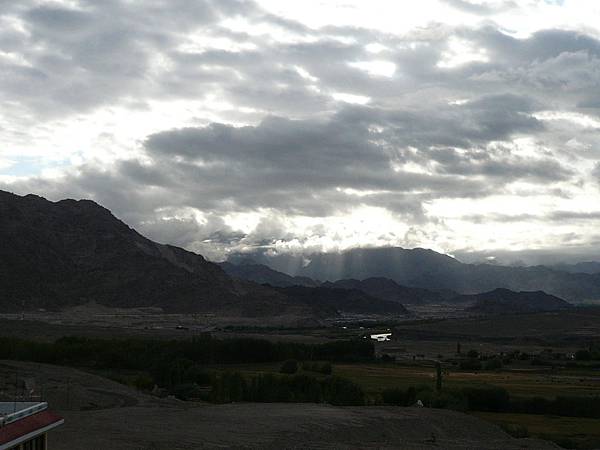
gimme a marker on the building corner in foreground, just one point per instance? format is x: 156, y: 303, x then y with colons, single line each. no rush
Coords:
x: 24, y: 425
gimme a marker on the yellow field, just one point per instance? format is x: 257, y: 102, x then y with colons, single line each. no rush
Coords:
x: 376, y: 377
x: 585, y: 433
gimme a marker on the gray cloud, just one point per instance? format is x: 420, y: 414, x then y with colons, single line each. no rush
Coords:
x: 303, y: 152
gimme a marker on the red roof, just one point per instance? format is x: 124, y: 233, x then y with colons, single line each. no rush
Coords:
x: 29, y: 424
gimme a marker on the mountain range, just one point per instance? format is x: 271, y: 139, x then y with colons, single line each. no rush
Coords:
x: 66, y: 253
x: 422, y: 268
x: 497, y: 301
x: 501, y: 301
x: 591, y: 267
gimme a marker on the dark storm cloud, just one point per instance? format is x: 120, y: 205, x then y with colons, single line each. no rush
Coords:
x: 359, y: 148
x: 314, y: 167
x: 79, y: 58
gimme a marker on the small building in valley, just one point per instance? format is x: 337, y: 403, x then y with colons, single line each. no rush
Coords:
x: 24, y: 425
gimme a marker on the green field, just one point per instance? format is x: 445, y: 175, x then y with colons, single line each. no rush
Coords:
x: 572, y: 432
x: 374, y: 378
x: 527, y: 383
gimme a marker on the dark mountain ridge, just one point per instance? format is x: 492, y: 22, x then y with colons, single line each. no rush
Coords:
x: 66, y: 253
x: 387, y: 289
x: 504, y: 301
x: 357, y: 296
x: 590, y: 267
x: 340, y: 301
x: 262, y: 274
x: 69, y: 252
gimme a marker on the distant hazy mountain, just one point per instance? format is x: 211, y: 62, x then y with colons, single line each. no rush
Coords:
x: 504, y: 301
x: 387, y: 289
x: 590, y: 267
x: 262, y: 274
x: 350, y: 301
x: 330, y: 298
x: 430, y: 270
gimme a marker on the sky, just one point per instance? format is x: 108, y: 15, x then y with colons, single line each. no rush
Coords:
x: 467, y: 127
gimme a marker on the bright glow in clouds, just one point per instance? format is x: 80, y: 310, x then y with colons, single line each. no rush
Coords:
x: 461, y: 52
x: 350, y: 98
x: 377, y: 68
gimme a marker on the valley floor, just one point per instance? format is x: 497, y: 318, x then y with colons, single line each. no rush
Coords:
x: 101, y: 414
x: 118, y: 417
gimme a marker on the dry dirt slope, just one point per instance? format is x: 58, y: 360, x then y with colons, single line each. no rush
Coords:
x: 103, y: 415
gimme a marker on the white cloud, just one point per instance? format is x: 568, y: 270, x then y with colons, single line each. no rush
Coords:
x: 429, y: 145
x: 351, y: 98
x: 376, y: 67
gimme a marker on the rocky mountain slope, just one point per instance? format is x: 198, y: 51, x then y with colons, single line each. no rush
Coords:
x: 262, y: 274
x: 352, y: 301
x: 71, y: 252
x: 359, y: 296
x: 591, y: 267
x: 60, y: 254
x: 387, y: 289
x: 504, y: 301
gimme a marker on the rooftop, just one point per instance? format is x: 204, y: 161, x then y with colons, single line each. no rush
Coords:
x: 21, y: 421
x: 13, y: 411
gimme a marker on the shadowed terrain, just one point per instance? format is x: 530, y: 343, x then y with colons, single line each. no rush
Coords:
x: 116, y: 417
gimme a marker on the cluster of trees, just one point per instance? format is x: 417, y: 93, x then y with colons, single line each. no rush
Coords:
x: 401, y: 397
x: 476, y: 364
x: 561, y: 405
x: 587, y: 355
x: 493, y: 399
x: 324, y: 368
x: 179, y: 365
x: 141, y: 354
x: 234, y: 387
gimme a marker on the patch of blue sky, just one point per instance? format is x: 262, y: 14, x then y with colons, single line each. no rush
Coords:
x: 29, y: 166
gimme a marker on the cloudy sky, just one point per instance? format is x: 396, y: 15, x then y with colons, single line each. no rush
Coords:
x: 220, y: 125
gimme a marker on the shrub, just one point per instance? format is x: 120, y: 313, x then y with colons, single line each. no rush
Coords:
x: 400, y: 397
x: 143, y: 382
x: 229, y: 387
x: 487, y: 398
x: 492, y: 364
x: 186, y: 391
x: 289, y: 367
x: 324, y: 368
x: 533, y: 405
x: 277, y: 388
x: 470, y: 364
x: 583, y: 355
x: 340, y: 391
x: 196, y: 374
x: 385, y: 358
x: 515, y: 430
x: 449, y: 399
